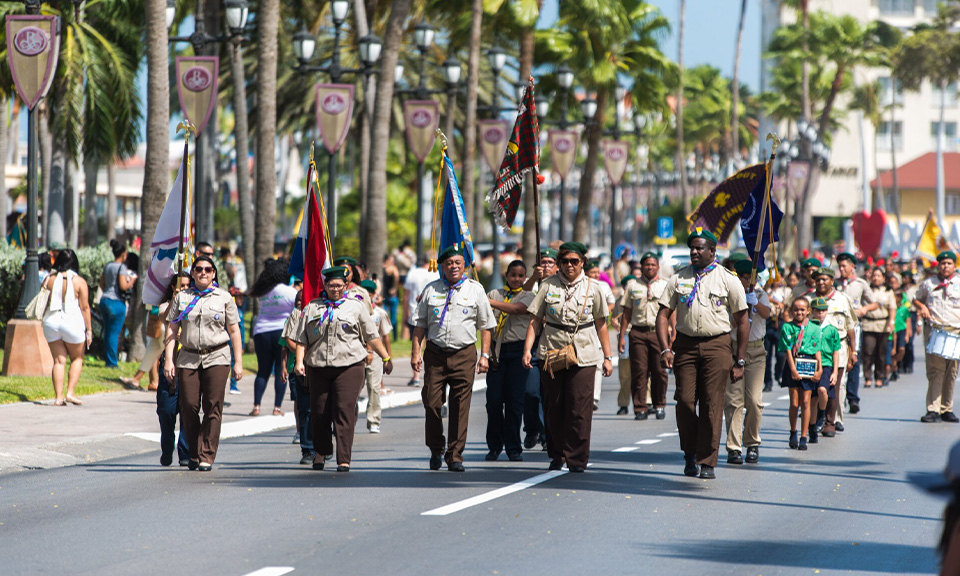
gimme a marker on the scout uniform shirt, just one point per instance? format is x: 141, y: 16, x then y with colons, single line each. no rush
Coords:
x: 361, y: 294
x: 829, y: 343
x: 942, y: 297
x: 801, y: 289
x: 718, y: 295
x: 464, y: 310
x: 382, y: 322
x: 840, y: 315
x: 204, y: 328
x: 857, y: 290
x: 643, y: 299
x: 511, y: 327
x: 877, y: 320
x: 562, y: 307
x: 335, y: 336
x: 810, y: 344
x: 758, y: 324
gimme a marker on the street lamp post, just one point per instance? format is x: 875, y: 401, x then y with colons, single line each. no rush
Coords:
x: 423, y: 35
x: 304, y: 45
x: 236, y: 12
x: 565, y: 80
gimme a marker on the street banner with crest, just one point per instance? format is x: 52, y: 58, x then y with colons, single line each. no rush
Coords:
x: 563, y: 150
x: 421, y: 118
x: 197, y: 87
x: 493, y: 141
x: 615, y: 156
x: 334, y: 112
x: 32, y: 52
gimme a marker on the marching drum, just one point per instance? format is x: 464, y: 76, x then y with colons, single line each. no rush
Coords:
x: 944, y: 344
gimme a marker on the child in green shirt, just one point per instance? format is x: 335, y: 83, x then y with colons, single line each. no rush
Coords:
x: 829, y: 357
x: 800, y: 339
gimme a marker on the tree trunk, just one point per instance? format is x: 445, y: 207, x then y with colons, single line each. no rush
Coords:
x: 469, y: 184
x: 530, y: 248
x: 805, y: 66
x: 46, y: 167
x: 581, y: 226
x: 680, y: 160
x: 376, y: 240
x: 71, y: 204
x: 4, y: 133
x: 54, y: 212
x: 111, y: 201
x: 242, y: 136
x: 268, y: 21
x: 804, y: 216
x: 893, y: 161
x: 366, y: 116
x: 91, y: 171
x: 735, y: 89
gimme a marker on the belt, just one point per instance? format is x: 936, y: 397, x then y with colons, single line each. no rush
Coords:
x: 700, y: 337
x: 644, y: 328
x: 570, y: 329
x: 443, y: 350
x: 755, y: 343
x: 205, y: 351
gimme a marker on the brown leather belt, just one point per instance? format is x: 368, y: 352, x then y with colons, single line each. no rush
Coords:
x: 570, y: 329
x: 205, y: 351
x: 644, y: 328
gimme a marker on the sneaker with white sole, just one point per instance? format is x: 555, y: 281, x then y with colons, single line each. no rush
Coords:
x: 234, y: 390
x: 374, y: 429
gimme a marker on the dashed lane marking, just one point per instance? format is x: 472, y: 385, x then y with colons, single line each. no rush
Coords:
x: 648, y: 442
x: 271, y: 571
x: 476, y: 500
x: 626, y: 449
x: 668, y: 434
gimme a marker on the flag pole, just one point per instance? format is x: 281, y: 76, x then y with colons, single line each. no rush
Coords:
x: 323, y: 209
x: 187, y: 128
x: 772, y: 136
x: 536, y: 179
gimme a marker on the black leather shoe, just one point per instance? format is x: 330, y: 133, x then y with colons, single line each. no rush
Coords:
x: 734, y: 457
x: 492, y: 456
x: 530, y: 441
x: 661, y: 413
x: 204, y: 467
x: 640, y: 416
x: 435, y: 462
x: 166, y: 459
x: 691, y: 469
x: 854, y: 407
x: 828, y: 434
x: 556, y: 464
x: 343, y: 468
x: 707, y: 473
x: 930, y: 417
x: 318, y: 465
x: 578, y: 469
x: 456, y: 467
x: 515, y: 457
x: 193, y: 465
x: 949, y: 417
x: 307, y: 459
x: 753, y: 454
x: 839, y: 427
x: 622, y: 411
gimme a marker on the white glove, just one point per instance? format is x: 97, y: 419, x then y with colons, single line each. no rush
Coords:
x: 752, y: 299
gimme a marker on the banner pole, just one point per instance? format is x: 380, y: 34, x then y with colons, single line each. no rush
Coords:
x: 766, y: 206
x: 187, y: 128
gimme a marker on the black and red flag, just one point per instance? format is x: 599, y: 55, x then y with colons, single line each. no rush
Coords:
x: 522, y: 155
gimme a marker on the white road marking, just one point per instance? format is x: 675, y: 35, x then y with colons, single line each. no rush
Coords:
x: 469, y: 502
x: 784, y: 397
x: 648, y: 442
x: 271, y: 571
x: 626, y: 449
x: 668, y: 434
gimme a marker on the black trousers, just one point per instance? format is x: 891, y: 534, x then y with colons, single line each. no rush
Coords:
x: 506, y: 389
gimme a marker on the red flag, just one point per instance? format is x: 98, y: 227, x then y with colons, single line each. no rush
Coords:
x: 311, y: 253
x: 522, y: 155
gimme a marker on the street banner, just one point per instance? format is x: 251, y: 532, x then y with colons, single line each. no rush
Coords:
x: 493, y: 141
x: 798, y: 172
x: 721, y: 210
x: 615, y: 156
x: 334, y: 112
x: 421, y: 119
x: 32, y: 52
x: 563, y: 149
x: 197, y: 87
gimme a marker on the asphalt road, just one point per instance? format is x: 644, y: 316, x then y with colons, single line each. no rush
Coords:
x: 843, y: 507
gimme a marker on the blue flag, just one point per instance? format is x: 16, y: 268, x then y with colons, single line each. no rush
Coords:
x: 453, y: 227
x: 752, y: 227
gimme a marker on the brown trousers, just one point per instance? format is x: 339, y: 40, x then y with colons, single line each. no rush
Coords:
x: 457, y: 369
x: 334, y: 391
x: 202, y: 388
x: 645, y: 361
x: 702, y: 369
x: 568, y: 413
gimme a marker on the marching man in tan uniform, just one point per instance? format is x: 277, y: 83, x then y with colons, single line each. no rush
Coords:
x: 841, y: 316
x: 705, y: 296
x: 641, y: 302
x: 938, y: 303
x: 861, y: 295
x: 451, y: 311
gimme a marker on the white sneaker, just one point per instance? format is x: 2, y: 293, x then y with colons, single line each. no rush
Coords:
x: 235, y: 391
x: 374, y: 429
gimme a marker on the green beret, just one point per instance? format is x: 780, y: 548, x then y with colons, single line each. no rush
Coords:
x: 369, y: 285
x: 701, y: 233
x: 819, y: 303
x: 335, y: 273
x: 454, y: 250
x: 591, y: 264
x: 577, y: 247
x: 548, y: 253
x: 743, y: 266
x: 345, y: 261
x: 649, y: 255
x: 811, y: 263
x: 847, y: 256
x: 946, y: 255
x: 738, y: 257
x: 825, y: 271
x: 625, y: 279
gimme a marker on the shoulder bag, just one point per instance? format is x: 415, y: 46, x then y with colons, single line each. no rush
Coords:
x: 38, y: 306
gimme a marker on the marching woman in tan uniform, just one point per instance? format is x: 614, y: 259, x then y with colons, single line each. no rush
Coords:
x: 571, y: 310
x: 204, y: 320
x: 333, y: 333
x: 706, y: 296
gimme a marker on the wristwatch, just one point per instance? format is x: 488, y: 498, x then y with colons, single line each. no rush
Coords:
x: 741, y: 362
x: 485, y: 355
x: 610, y: 358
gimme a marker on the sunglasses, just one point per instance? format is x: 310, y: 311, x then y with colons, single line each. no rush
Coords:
x: 570, y: 261
x: 204, y: 269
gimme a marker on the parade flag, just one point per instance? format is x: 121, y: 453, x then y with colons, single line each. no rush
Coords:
x: 453, y: 224
x: 563, y: 149
x: 720, y: 211
x: 312, y: 250
x: 197, y: 87
x: 167, y: 239
x: 755, y: 222
x: 522, y: 156
x: 932, y: 240
x: 493, y: 141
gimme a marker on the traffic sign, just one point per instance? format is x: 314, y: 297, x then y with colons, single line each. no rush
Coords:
x: 664, y: 227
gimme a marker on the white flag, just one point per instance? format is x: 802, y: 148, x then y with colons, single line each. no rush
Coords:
x: 166, y: 240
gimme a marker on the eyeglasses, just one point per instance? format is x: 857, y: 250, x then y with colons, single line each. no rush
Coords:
x: 570, y: 261
x: 204, y: 269
x: 207, y: 254
x: 334, y: 286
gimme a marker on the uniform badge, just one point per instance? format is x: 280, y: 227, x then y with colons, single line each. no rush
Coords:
x: 344, y: 326
x: 436, y: 311
x: 216, y: 317
x: 465, y: 311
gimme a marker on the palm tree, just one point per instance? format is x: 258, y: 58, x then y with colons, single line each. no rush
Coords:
x: 470, y: 126
x: 241, y: 136
x: 735, y: 88
x: 268, y: 22
x: 681, y: 161
x: 866, y: 100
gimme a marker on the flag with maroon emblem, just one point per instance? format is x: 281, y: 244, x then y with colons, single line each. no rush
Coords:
x: 522, y: 155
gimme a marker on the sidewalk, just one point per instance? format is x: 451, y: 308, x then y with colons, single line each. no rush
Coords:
x: 40, y: 435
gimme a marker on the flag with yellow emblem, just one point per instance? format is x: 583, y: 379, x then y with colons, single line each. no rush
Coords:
x: 721, y: 210
x: 932, y: 240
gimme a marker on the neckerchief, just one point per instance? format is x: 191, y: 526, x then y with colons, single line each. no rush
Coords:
x: 571, y: 283
x: 508, y: 295
x: 648, y: 283
x: 844, y: 282
x: 796, y: 345
x: 944, y: 283
x: 810, y: 290
x: 193, y: 303
x: 696, y: 282
x: 331, y: 307
x: 450, y: 290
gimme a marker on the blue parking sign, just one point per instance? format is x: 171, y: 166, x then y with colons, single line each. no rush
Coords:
x: 664, y: 227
